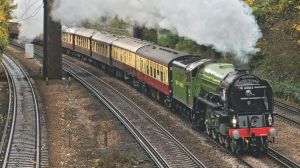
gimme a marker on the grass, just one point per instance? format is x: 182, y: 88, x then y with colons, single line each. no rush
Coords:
x: 113, y: 158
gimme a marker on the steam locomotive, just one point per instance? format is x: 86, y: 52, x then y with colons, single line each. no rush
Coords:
x: 231, y: 105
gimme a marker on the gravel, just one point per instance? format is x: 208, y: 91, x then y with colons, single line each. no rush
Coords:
x: 75, y: 135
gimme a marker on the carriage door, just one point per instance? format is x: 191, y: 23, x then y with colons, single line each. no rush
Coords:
x: 189, y: 98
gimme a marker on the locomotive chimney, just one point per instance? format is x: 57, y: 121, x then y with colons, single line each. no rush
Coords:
x: 243, y: 68
x: 137, y: 32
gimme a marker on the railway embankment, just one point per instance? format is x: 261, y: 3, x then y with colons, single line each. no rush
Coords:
x: 75, y: 134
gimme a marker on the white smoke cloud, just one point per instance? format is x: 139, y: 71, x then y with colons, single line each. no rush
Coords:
x: 227, y: 25
x: 29, y: 13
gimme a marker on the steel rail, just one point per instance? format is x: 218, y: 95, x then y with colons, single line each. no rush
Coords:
x: 9, y: 143
x: 159, y: 161
x: 36, y: 111
x: 271, y: 152
x: 9, y: 109
x: 199, y: 163
x: 292, y: 121
x: 283, y: 160
x: 150, y: 149
x: 287, y: 107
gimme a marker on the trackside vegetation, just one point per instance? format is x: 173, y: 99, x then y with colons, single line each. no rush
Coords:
x: 279, y: 56
x: 279, y: 59
x: 5, y: 16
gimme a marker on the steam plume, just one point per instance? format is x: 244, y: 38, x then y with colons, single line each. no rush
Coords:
x: 227, y: 25
x: 30, y: 15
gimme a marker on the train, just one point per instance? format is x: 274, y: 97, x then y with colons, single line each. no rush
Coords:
x: 13, y: 29
x: 232, y: 106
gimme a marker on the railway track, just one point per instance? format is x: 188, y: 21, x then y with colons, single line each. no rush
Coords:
x: 222, y: 148
x: 283, y: 160
x: 286, y: 107
x: 23, y: 138
x: 163, y: 148
x: 293, y: 111
x: 89, y: 80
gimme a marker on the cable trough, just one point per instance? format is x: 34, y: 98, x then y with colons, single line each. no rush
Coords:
x: 23, y: 140
x: 163, y: 148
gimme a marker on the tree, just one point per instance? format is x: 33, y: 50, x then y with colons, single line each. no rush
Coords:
x: 5, y: 16
x: 168, y: 39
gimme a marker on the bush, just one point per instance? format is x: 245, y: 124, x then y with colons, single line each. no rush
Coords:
x: 283, y: 85
x: 263, y: 8
x: 168, y: 39
x: 5, y: 16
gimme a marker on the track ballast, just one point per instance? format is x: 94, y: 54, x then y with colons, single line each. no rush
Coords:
x: 23, y: 140
x: 164, y: 149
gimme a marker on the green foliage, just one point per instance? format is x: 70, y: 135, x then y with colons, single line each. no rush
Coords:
x: 278, y: 60
x: 168, y: 39
x: 130, y: 158
x: 114, y: 157
x: 118, y: 23
x: 112, y: 25
x: 172, y: 40
x: 118, y: 26
x: 5, y: 16
x: 283, y: 86
x: 189, y: 46
x: 263, y: 8
x: 150, y: 35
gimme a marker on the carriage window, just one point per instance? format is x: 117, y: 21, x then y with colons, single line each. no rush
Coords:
x: 154, y: 72
x: 151, y: 73
x: 121, y: 58
x: 165, y: 75
x: 147, y: 69
x: 161, y: 76
x: 128, y: 57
